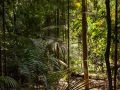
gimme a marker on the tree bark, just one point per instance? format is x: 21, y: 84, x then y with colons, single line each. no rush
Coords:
x: 84, y: 39
x: 107, y: 53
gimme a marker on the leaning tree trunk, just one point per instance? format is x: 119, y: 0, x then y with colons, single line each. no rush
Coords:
x: 116, y: 45
x: 107, y: 53
x: 84, y: 38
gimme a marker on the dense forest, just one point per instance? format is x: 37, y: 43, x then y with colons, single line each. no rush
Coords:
x: 59, y: 45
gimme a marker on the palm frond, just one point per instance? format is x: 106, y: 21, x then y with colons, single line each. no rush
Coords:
x: 7, y: 82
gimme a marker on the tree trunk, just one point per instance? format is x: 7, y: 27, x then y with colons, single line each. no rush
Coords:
x: 84, y: 38
x: 14, y: 16
x: 116, y: 37
x: 68, y: 37
x: 0, y: 59
x: 63, y: 19
x: 4, y: 53
x: 47, y: 24
x: 57, y: 20
x: 107, y: 53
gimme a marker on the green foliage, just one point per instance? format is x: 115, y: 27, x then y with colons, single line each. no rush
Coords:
x: 7, y: 82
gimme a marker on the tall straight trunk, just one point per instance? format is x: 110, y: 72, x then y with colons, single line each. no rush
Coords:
x: 15, y: 32
x: 4, y: 54
x: 84, y: 39
x: 57, y: 24
x: 63, y: 19
x: 57, y: 19
x: 0, y: 59
x: 47, y: 24
x: 14, y: 16
x: 68, y: 37
x: 116, y: 45
x: 107, y: 53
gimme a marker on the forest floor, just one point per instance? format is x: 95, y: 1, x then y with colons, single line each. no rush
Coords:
x: 101, y: 82
x: 95, y: 83
x: 101, y: 85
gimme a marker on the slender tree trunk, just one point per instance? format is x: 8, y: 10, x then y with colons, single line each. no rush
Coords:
x: 15, y: 32
x: 47, y: 24
x: 57, y: 19
x: 63, y: 23
x: 0, y: 59
x: 57, y: 34
x: 116, y: 45
x: 107, y: 53
x: 63, y: 19
x: 4, y: 53
x: 14, y: 16
x: 1, y: 68
x: 84, y: 39
x: 68, y: 37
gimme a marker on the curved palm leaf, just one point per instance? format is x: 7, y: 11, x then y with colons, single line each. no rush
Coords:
x: 7, y: 82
